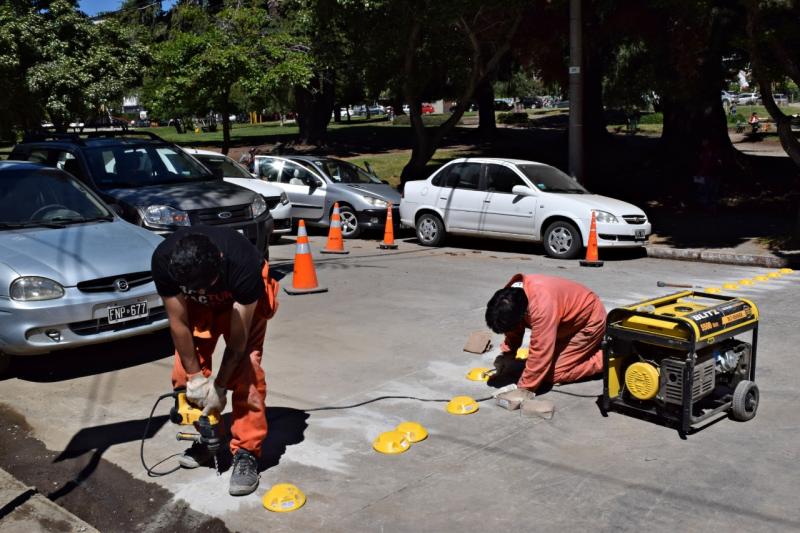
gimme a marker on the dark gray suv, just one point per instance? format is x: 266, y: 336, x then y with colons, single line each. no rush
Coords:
x: 151, y: 182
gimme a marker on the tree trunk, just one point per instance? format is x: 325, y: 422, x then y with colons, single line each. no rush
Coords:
x: 337, y: 118
x: 397, y: 104
x: 484, y: 94
x: 314, y: 110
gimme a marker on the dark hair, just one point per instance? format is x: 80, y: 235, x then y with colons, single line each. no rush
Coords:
x: 195, y: 262
x: 506, y: 309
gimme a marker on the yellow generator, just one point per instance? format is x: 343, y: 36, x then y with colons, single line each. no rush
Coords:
x: 678, y: 359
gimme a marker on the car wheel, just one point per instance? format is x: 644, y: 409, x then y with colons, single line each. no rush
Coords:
x: 430, y: 230
x: 350, y: 226
x: 562, y: 240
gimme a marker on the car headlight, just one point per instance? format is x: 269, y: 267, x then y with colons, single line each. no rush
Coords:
x: 164, y: 215
x: 284, y: 198
x: 34, y: 288
x: 258, y: 206
x: 376, y: 202
x: 605, y: 217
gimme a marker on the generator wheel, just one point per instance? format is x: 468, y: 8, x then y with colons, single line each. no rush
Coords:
x: 745, y: 401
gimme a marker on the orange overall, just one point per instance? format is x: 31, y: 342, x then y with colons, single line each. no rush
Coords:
x: 248, y: 382
x: 567, y: 323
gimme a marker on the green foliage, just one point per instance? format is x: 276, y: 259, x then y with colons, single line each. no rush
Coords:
x: 512, y: 118
x: 57, y: 64
x: 652, y: 118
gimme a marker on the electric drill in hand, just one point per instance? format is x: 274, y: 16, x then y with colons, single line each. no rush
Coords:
x: 186, y: 414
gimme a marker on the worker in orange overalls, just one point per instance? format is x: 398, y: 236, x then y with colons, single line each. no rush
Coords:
x: 567, y: 323
x: 215, y: 282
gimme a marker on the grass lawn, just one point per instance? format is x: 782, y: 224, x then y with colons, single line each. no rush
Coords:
x: 388, y: 166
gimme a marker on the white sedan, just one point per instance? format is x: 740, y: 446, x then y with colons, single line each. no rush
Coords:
x: 518, y: 200
x: 277, y: 201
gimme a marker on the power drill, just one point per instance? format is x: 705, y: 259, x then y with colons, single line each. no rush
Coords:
x: 185, y: 414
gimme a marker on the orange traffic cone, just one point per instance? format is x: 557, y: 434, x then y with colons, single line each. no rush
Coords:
x: 591, y: 250
x: 335, y: 243
x: 388, y: 233
x: 304, y: 280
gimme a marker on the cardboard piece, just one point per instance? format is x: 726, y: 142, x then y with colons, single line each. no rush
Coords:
x: 479, y: 342
x: 537, y: 408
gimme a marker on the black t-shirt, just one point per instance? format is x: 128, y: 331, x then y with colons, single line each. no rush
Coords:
x: 240, y: 274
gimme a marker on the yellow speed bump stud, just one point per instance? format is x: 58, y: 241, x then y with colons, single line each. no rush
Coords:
x: 522, y: 353
x: 761, y: 278
x: 283, y: 498
x: 413, y: 431
x: 745, y: 281
x: 480, y: 374
x: 774, y: 274
x: 730, y: 286
x: 712, y: 290
x: 786, y: 271
x: 391, y: 442
x: 462, y: 405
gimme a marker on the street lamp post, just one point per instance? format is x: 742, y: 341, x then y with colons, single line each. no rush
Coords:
x: 576, y: 90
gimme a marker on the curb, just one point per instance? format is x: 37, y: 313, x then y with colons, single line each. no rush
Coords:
x: 23, y: 508
x: 707, y: 256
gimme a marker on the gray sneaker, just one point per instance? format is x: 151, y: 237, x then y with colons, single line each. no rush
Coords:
x: 195, y: 456
x: 244, y: 475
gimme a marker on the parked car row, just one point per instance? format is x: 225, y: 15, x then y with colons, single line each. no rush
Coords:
x: 82, y: 214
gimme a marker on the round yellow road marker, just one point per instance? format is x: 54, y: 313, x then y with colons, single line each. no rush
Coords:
x: 730, y: 286
x: 713, y: 290
x: 462, y: 405
x: 478, y: 374
x: 786, y: 271
x: 413, y: 431
x: 391, y: 443
x: 522, y: 353
x: 745, y: 281
x: 761, y: 278
x: 283, y: 498
x: 774, y: 275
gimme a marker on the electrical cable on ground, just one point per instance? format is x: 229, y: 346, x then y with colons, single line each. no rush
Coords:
x: 151, y: 472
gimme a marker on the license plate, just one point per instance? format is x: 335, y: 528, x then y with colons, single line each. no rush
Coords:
x: 123, y: 313
x: 639, y: 234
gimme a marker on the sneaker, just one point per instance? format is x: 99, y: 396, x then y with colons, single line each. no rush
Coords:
x: 244, y: 476
x: 195, y: 456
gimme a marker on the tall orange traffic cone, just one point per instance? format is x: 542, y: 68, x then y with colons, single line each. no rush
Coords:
x: 304, y: 279
x: 591, y: 250
x: 335, y: 243
x: 388, y: 233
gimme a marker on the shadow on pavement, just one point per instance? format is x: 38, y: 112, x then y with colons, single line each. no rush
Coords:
x: 91, y: 360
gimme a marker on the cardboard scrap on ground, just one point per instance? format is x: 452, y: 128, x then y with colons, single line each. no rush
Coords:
x: 536, y: 408
x: 479, y: 342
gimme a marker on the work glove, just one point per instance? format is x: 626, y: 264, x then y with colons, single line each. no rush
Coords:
x: 512, y: 399
x: 504, y: 362
x: 216, y: 400
x: 197, y: 389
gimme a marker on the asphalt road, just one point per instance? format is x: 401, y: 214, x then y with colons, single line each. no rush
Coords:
x: 394, y: 323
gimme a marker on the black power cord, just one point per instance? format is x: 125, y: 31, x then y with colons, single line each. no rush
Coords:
x: 336, y: 408
x: 151, y: 472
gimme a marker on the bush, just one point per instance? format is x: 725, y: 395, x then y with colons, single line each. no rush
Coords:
x: 652, y: 118
x: 428, y: 120
x: 512, y: 118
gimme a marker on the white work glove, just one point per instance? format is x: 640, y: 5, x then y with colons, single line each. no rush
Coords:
x: 512, y: 400
x: 216, y: 400
x: 197, y: 389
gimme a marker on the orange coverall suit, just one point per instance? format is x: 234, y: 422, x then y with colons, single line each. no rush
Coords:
x: 248, y: 382
x: 567, y: 323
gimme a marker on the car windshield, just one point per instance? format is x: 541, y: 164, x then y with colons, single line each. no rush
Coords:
x: 550, y: 179
x: 142, y: 165
x: 344, y: 172
x: 223, y: 167
x: 46, y: 198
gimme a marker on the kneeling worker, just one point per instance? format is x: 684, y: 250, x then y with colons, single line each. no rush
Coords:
x: 214, y: 282
x: 567, y: 323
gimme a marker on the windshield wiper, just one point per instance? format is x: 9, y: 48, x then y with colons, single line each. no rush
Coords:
x: 76, y: 220
x: 33, y: 224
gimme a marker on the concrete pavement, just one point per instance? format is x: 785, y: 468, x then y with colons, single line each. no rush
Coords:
x: 394, y: 323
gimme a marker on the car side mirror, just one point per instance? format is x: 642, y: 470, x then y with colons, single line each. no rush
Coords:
x: 385, y: 182
x: 522, y: 190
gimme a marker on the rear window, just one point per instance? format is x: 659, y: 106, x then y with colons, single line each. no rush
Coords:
x: 222, y: 167
x: 143, y: 165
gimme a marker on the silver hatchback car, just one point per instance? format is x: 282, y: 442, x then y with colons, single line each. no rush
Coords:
x: 314, y: 183
x: 72, y: 272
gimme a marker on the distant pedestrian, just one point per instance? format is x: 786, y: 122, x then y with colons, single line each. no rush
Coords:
x: 754, y: 122
x: 247, y: 158
x: 733, y: 110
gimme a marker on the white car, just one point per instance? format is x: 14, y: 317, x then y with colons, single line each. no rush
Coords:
x: 277, y: 201
x: 518, y: 200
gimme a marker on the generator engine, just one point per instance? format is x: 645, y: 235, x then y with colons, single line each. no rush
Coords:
x: 677, y: 358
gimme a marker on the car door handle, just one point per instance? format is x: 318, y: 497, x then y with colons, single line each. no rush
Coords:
x: 487, y: 201
x: 443, y: 198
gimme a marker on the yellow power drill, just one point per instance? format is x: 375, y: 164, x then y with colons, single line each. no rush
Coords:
x: 186, y: 414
